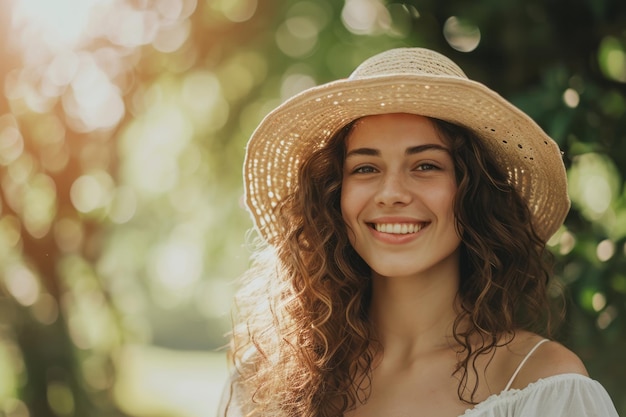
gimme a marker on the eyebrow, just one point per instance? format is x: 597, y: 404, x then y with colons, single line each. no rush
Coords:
x: 409, y: 151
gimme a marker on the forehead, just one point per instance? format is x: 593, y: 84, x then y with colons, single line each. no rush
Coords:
x: 393, y: 130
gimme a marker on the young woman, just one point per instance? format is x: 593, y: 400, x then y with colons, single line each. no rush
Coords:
x: 404, y: 213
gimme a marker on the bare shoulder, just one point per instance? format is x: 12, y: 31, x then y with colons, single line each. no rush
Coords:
x: 549, y: 359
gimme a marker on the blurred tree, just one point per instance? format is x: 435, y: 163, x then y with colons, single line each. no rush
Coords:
x: 122, y: 130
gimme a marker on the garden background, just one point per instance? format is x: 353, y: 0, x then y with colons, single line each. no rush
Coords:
x: 122, y: 132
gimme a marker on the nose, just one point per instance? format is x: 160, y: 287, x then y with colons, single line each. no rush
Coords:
x: 393, y: 190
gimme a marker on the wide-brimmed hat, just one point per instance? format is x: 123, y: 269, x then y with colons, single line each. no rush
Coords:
x: 404, y: 80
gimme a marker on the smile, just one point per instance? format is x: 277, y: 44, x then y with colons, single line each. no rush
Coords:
x: 398, y: 228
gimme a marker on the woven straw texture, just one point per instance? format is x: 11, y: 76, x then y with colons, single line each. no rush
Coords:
x: 404, y: 80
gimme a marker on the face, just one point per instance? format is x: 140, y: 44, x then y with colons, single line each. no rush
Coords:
x: 397, y: 196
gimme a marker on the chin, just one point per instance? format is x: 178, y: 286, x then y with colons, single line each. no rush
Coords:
x: 395, y: 271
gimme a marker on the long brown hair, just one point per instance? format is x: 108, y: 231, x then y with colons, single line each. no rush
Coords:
x: 303, y: 345
x: 505, y: 267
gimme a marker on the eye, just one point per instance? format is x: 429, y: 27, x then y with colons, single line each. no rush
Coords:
x: 364, y: 169
x: 425, y: 166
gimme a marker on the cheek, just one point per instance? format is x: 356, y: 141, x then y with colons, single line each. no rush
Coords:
x: 442, y: 202
x: 446, y: 196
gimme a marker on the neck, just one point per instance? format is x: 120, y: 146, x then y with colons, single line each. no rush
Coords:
x: 414, y: 315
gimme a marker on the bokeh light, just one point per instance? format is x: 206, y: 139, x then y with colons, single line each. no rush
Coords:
x: 61, y: 399
x: 606, y: 317
x: 366, y: 17
x: 54, y: 25
x: 11, y: 141
x: 45, y: 309
x: 297, y: 36
x: 22, y: 284
x: 236, y: 10
x: 612, y: 58
x: 571, y: 98
x: 91, y: 191
x: 594, y: 185
x: 567, y: 241
x: 461, y: 34
x: 598, y: 301
x: 605, y: 250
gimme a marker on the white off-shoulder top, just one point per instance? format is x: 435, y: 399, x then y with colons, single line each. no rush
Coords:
x: 564, y: 395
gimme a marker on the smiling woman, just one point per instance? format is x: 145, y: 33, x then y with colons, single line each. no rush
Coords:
x: 398, y: 174
x: 405, y: 212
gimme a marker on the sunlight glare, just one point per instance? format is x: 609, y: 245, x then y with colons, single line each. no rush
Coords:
x: 171, y: 37
x: 153, y: 381
x: 153, y: 142
x: 94, y: 100
x: 63, y: 68
x: 59, y: 24
x: 201, y: 93
x: 130, y: 28
x: 177, y: 264
x: 170, y: 9
x: 89, y: 321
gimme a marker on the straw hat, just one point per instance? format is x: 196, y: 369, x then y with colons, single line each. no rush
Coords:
x: 404, y: 80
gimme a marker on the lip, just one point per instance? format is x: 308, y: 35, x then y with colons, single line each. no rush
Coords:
x: 396, y: 220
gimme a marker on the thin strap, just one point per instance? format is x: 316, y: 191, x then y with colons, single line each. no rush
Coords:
x: 521, y: 365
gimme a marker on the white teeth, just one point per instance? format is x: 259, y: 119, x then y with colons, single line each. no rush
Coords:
x: 398, y: 228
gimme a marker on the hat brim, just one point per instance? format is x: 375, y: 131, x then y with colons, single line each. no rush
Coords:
x: 292, y: 131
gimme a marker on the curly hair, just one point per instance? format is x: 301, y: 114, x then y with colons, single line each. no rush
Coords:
x: 504, y: 264
x: 303, y: 344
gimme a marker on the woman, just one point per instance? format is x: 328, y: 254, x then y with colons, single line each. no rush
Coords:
x: 404, y: 213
